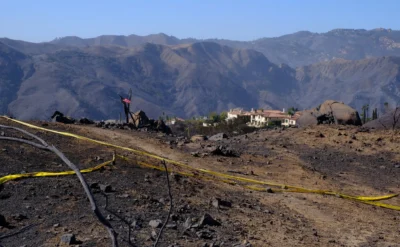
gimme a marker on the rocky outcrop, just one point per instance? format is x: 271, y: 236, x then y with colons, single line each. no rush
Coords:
x: 330, y: 112
x: 388, y: 121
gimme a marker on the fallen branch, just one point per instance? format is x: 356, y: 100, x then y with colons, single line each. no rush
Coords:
x: 170, y: 206
x: 25, y: 228
x: 128, y: 223
x: 45, y: 146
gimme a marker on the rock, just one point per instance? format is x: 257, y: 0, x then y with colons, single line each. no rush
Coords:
x: 330, y: 112
x: 105, y: 188
x: 217, y: 203
x: 195, y: 154
x: 245, y: 243
x: 155, y: 223
x: 68, y: 239
x: 208, y: 220
x: 188, y: 223
x: 386, y: 121
x: 172, y: 226
x: 94, y: 185
x: 218, y: 137
x: 197, y: 138
x: 222, y: 150
x: 98, y: 158
x: 204, y: 234
x: 174, y: 217
x: 3, y: 221
x: 181, y: 143
x: 341, y: 113
x: 269, y: 190
x: 136, y: 224
x: 18, y: 217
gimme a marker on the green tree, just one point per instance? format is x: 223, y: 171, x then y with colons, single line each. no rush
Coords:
x: 365, y: 109
x: 375, y: 114
x: 292, y: 111
x: 223, y: 116
x: 213, y: 117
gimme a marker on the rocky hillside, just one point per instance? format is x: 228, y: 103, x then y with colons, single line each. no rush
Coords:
x: 372, y: 81
x: 297, y: 49
x: 184, y: 80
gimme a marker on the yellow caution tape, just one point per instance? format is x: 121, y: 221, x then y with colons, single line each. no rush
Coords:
x: 52, y: 174
x: 286, y: 188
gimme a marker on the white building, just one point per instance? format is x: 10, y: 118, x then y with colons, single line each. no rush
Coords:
x: 261, y: 118
x: 291, y: 120
x: 234, y: 113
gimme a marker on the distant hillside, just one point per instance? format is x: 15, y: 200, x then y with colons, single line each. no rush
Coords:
x: 372, y: 81
x: 297, y: 49
x: 183, y: 80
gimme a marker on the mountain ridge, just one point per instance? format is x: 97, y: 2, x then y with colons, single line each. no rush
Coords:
x: 184, y: 80
x: 295, y: 49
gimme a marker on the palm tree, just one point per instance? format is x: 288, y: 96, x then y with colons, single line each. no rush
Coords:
x: 365, y: 110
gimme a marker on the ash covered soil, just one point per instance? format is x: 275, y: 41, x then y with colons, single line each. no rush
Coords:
x: 332, y: 158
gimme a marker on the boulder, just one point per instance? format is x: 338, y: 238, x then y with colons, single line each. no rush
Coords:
x: 206, y: 219
x: 196, y: 138
x: 307, y: 119
x: 68, y: 239
x: 218, y: 137
x: 342, y: 113
x: 330, y: 112
x: 386, y: 121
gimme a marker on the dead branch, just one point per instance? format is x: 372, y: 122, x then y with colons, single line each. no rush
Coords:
x: 45, y: 146
x: 170, y: 206
x: 23, y: 229
x: 395, y: 117
x: 127, y: 222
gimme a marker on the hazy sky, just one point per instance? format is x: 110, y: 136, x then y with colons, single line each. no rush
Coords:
x: 44, y: 20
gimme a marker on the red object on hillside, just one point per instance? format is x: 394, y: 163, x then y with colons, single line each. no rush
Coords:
x: 126, y: 101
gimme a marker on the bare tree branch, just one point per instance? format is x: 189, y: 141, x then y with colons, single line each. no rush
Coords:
x: 45, y: 146
x: 128, y: 223
x: 26, y: 133
x: 24, y: 141
x: 25, y: 228
x: 395, y: 117
x: 170, y: 206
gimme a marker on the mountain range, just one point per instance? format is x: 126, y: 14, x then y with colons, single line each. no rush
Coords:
x: 189, y: 77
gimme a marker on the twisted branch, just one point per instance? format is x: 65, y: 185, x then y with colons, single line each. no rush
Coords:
x: 45, y: 146
x: 170, y: 206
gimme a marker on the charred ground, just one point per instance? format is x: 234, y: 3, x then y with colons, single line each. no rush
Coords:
x: 340, y: 159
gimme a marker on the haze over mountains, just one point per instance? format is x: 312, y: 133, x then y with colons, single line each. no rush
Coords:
x: 188, y: 77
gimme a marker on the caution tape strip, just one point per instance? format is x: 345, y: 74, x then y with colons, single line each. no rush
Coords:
x: 52, y: 174
x: 372, y: 200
